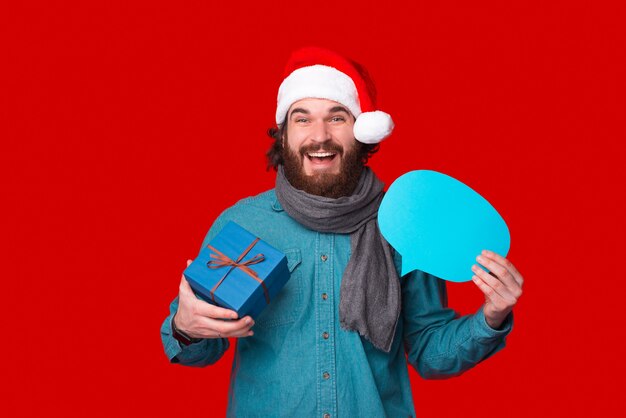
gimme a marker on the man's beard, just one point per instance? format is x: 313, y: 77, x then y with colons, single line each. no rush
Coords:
x: 324, y: 184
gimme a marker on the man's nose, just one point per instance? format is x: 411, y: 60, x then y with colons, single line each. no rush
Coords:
x: 320, y: 132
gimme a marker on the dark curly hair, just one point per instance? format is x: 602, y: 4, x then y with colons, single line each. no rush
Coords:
x: 275, y: 153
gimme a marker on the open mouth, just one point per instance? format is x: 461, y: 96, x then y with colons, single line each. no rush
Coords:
x: 321, y: 156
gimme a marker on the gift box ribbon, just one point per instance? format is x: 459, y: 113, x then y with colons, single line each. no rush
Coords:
x: 220, y: 260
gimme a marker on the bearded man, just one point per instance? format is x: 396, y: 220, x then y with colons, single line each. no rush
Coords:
x: 333, y: 342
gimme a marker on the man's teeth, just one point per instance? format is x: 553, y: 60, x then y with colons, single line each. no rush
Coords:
x: 321, y: 154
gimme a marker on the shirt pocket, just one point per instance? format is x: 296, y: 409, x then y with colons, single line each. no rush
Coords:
x: 285, y: 306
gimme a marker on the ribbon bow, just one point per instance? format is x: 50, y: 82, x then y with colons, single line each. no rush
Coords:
x: 219, y: 260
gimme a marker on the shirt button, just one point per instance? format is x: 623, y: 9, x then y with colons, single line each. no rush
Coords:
x: 326, y: 375
x: 324, y: 296
x: 324, y: 257
x: 326, y: 415
x: 325, y: 335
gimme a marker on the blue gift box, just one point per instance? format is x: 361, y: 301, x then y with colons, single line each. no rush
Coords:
x: 238, y: 271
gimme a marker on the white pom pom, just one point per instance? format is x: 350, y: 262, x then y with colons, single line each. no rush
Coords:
x: 372, y: 127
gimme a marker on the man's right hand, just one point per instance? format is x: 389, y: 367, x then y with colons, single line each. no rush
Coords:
x: 200, y: 319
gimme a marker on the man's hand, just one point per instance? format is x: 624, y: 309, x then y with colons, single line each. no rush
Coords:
x: 200, y: 319
x: 502, y: 286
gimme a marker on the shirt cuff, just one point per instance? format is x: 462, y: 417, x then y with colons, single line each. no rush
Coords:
x: 482, y: 331
x: 173, y: 347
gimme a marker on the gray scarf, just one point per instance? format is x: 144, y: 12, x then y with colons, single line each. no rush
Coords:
x: 370, y: 287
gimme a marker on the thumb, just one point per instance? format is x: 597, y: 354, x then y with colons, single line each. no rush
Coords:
x: 184, y: 285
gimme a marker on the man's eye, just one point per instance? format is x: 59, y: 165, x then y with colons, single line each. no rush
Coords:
x: 337, y: 119
x: 301, y: 120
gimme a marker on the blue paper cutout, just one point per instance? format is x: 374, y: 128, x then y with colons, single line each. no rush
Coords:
x: 439, y: 225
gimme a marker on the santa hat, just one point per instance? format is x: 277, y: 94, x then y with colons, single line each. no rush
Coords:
x: 322, y: 74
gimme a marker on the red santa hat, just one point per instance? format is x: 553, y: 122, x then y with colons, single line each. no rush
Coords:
x: 322, y: 74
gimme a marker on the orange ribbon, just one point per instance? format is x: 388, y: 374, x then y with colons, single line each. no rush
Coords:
x: 222, y: 260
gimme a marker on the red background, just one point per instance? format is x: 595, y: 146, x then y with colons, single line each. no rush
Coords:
x: 127, y: 127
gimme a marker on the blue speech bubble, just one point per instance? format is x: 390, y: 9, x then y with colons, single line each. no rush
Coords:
x: 439, y: 225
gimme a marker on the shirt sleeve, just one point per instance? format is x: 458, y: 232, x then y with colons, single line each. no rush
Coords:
x: 199, y: 354
x: 438, y: 343
x: 202, y: 353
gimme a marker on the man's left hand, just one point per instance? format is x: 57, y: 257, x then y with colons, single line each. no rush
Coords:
x: 502, y: 286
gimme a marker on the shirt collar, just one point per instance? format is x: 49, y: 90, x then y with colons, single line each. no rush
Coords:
x: 276, y: 204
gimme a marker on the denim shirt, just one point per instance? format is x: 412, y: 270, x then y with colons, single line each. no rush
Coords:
x: 301, y: 363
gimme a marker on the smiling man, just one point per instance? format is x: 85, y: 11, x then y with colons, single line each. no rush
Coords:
x: 336, y: 340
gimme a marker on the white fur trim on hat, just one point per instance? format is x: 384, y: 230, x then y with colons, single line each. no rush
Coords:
x: 372, y: 127
x: 317, y: 82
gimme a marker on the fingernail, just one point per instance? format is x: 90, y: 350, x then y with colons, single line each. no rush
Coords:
x: 480, y: 258
x: 475, y: 278
x: 486, y: 252
x: 251, y: 333
x: 248, y: 320
x: 234, y: 316
x: 474, y: 267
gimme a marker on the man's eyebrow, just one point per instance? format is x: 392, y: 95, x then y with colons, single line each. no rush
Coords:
x: 299, y: 110
x: 338, y: 109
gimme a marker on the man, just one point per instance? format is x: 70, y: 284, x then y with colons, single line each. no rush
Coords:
x: 333, y: 341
